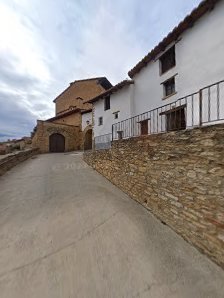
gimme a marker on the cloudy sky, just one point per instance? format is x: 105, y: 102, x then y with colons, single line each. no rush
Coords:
x: 46, y: 44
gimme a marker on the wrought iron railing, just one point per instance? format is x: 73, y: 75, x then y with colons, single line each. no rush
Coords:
x: 103, y: 141
x: 200, y: 108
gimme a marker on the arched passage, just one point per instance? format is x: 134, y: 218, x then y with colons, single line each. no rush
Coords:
x: 56, y: 143
x: 88, y: 140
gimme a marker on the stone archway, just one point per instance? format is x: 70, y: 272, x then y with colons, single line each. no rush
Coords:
x: 56, y: 142
x: 88, y: 141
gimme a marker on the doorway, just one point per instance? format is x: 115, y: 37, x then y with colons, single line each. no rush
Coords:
x: 56, y: 143
x: 88, y: 140
x: 144, y: 127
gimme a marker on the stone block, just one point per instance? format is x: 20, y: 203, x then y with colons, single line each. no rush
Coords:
x: 179, y: 177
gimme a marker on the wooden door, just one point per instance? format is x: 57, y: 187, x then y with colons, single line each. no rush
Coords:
x: 56, y: 143
x: 144, y: 127
x: 88, y: 140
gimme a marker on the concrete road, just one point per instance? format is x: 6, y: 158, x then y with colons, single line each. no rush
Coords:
x: 65, y: 231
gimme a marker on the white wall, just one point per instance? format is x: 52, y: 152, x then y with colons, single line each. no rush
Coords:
x: 199, y: 62
x: 86, y: 117
x: 120, y: 101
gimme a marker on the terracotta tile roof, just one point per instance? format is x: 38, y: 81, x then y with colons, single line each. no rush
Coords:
x: 187, y: 23
x: 63, y: 115
x: 86, y: 111
x: 89, y: 79
x: 112, y: 90
x: 103, y: 81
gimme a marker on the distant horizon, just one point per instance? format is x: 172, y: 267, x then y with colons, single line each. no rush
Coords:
x: 4, y: 138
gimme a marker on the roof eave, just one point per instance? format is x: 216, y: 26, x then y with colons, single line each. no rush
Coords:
x: 187, y: 23
x: 82, y: 80
x: 63, y: 115
x: 112, y: 90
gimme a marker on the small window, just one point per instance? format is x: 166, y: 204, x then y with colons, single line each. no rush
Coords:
x: 100, y: 121
x: 107, y: 103
x: 116, y: 115
x: 168, y: 60
x: 169, y: 87
x: 176, y: 119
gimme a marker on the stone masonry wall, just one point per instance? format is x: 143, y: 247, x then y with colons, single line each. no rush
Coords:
x: 179, y: 176
x: 72, y: 134
x: 11, y: 160
x: 85, y: 89
x: 73, y: 119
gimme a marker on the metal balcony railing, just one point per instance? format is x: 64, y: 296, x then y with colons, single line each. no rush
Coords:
x: 197, y: 109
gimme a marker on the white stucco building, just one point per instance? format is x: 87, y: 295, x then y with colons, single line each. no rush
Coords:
x: 110, y: 107
x: 188, y: 59
x: 173, y: 81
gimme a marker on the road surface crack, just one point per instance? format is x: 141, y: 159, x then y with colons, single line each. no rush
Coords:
x: 62, y: 248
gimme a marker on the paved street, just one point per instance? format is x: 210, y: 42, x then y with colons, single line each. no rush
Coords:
x: 65, y: 231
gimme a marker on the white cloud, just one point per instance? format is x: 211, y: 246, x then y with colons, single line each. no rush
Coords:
x: 109, y: 45
x: 20, y: 43
x: 44, y: 45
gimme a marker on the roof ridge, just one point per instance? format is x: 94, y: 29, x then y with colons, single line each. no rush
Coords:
x: 88, y: 79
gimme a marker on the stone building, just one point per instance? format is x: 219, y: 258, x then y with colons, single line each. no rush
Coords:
x: 66, y: 131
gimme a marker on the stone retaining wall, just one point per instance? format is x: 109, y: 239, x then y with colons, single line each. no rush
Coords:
x: 179, y: 176
x: 11, y: 160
